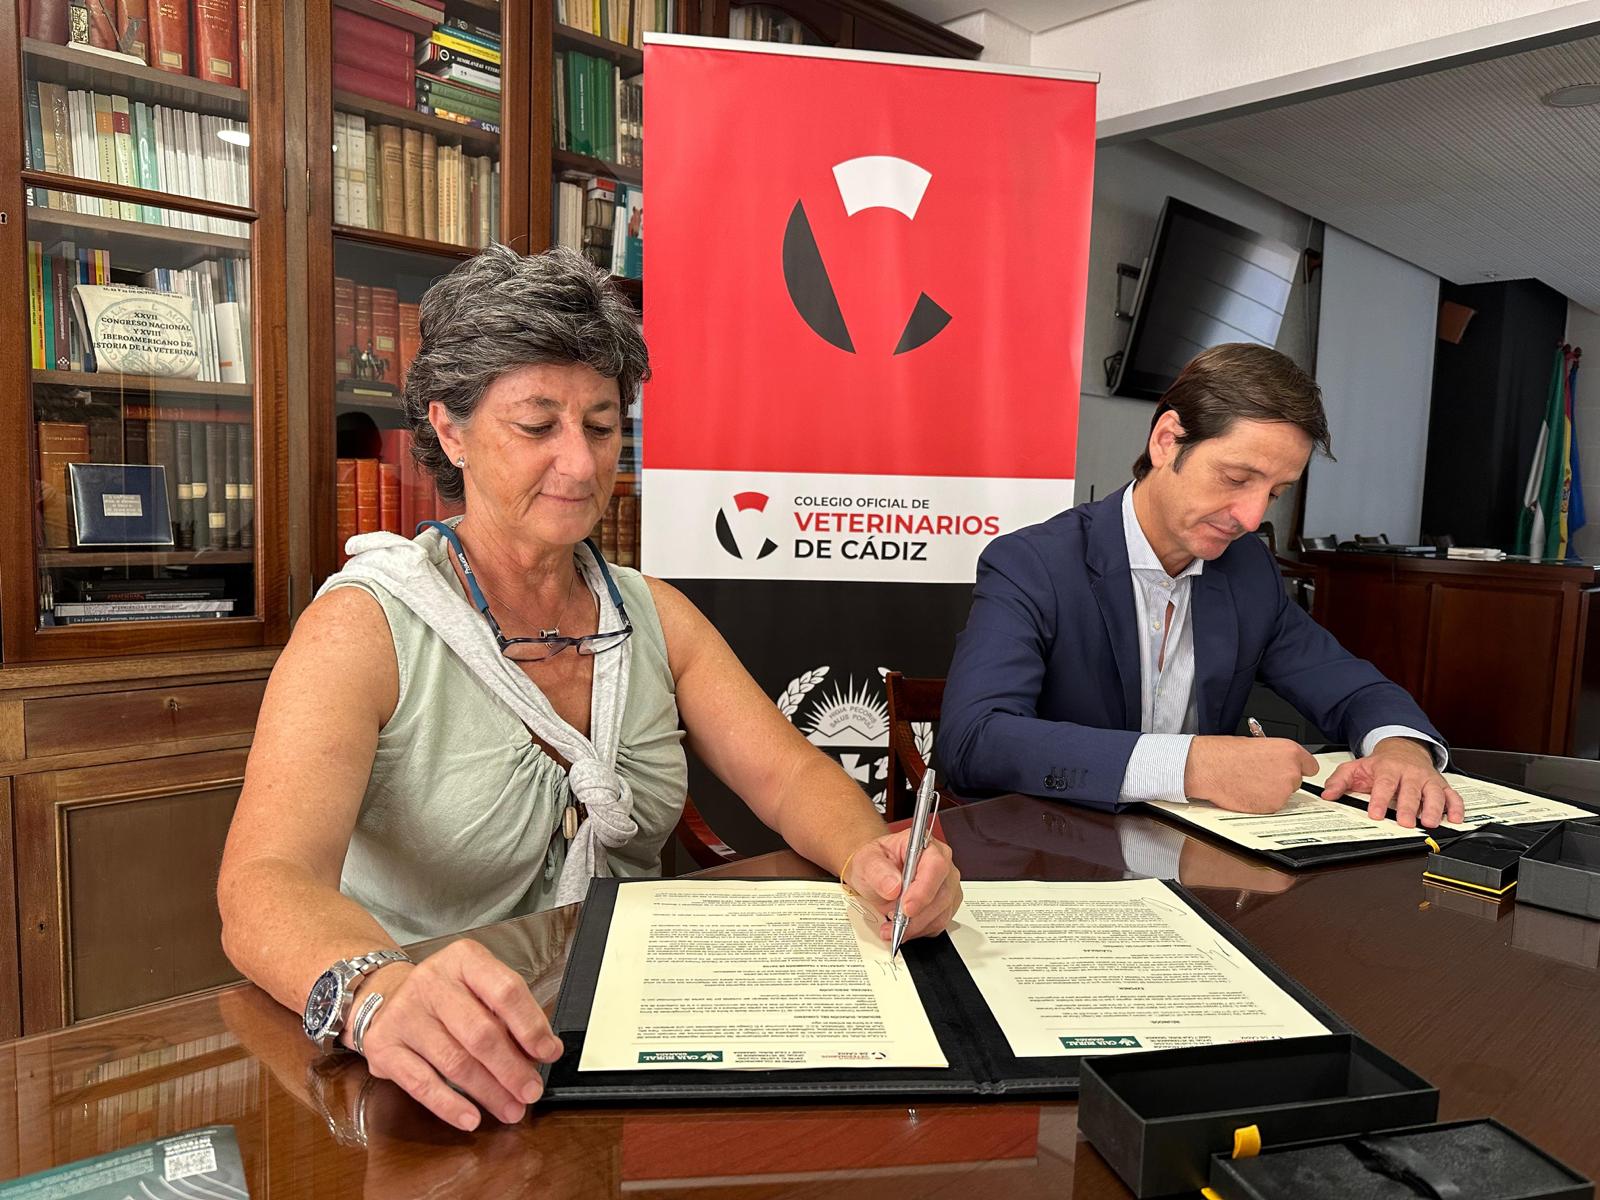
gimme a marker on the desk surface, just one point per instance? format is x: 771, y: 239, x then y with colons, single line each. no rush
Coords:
x: 1499, y: 1006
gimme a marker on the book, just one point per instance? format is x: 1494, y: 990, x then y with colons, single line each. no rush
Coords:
x: 410, y: 337
x: 427, y: 84
x: 202, y: 1162
x: 137, y: 330
x: 344, y: 327
x: 386, y: 333
x: 216, y: 40
x: 47, y: 21
x: 199, y: 484
x: 367, y: 502
x: 183, y: 506
x: 356, y: 166
x: 169, y: 36
x: 430, y: 187
x: 363, y: 326
x: 374, y: 181
x: 389, y: 501
x: 119, y: 504
x: 361, y: 30
x: 450, y: 38
x: 391, y: 89
x: 412, y: 161
x: 231, y: 484
x: 344, y: 493
x: 341, y: 168
x: 440, y: 57
x: 217, y: 487
x: 247, y: 486
x: 164, y: 605
x: 231, y: 335
x: 392, y: 165
x: 244, y: 43
x: 61, y: 443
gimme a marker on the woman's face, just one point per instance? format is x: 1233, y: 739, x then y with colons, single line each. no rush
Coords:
x: 541, y: 450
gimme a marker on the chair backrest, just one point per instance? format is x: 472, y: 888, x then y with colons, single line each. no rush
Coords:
x: 1265, y: 532
x: 1372, y: 539
x: 700, y: 841
x: 1327, y: 541
x: 911, y: 702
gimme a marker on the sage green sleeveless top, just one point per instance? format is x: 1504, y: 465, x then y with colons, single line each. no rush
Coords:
x: 461, y: 822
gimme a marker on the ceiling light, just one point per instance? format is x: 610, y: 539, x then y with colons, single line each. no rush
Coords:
x: 1577, y: 95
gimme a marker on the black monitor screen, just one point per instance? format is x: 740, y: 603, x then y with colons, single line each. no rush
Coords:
x: 1207, y: 281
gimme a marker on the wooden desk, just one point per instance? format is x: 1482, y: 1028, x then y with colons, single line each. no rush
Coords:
x: 1499, y: 1008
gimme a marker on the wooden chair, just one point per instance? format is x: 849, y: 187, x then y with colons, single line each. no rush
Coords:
x: 1327, y: 541
x: 910, y: 700
x: 1372, y: 539
x: 700, y: 841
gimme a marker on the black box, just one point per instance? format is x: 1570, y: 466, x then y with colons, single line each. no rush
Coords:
x: 1562, y: 870
x: 1467, y: 1160
x: 1483, y: 861
x: 1157, y: 1117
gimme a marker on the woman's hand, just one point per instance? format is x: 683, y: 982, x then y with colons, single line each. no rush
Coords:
x: 460, y: 1017
x: 935, y: 894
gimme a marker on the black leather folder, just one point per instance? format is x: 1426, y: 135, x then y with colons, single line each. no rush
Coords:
x: 981, y: 1062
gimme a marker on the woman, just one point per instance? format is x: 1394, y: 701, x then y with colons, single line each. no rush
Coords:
x: 466, y: 727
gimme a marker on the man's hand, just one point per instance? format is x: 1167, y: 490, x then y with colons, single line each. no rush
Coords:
x: 460, y: 1017
x: 1400, y: 773
x: 933, y: 897
x: 1246, y: 774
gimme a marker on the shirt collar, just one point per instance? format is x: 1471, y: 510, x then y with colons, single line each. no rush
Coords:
x: 1141, y: 554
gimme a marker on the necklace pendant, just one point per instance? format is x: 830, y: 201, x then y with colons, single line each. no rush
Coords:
x: 544, y: 633
x: 569, y: 821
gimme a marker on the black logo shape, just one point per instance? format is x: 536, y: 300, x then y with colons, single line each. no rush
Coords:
x: 742, y: 502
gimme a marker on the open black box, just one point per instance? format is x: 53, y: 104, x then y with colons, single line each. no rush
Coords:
x: 1483, y: 861
x: 1466, y: 1160
x: 1562, y: 870
x: 1157, y: 1117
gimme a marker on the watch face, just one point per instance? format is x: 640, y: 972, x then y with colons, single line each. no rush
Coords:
x: 322, y: 1004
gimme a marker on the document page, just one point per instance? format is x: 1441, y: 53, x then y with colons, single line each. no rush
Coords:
x: 730, y: 974
x: 1306, y: 820
x: 1484, y: 802
x: 1108, y: 968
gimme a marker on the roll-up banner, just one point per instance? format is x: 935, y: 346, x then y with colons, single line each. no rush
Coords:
x: 865, y: 317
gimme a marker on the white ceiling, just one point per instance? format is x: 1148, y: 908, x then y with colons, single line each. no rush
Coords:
x: 1462, y: 172
x: 1033, y: 15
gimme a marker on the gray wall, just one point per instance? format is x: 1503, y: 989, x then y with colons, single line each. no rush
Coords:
x: 1375, y: 365
x: 1132, y: 180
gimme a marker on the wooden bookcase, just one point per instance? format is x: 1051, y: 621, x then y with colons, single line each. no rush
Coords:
x: 123, y: 742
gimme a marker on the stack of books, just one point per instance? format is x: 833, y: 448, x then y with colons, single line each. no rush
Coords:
x: 208, y: 39
x: 375, y: 336
x: 372, y: 58
x: 604, y: 220
x: 390, y: 493
x: 458, y: 75
x: 144, y: 600
x: 597, y: 112
x: 404, y: 181
x: 105, y: 137
x: 219, y: 288
x: 617, y: 534
x: 624, y: 21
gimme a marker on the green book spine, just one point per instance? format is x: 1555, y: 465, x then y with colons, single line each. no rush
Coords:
x: 145, y: 160
x: 38, y: 196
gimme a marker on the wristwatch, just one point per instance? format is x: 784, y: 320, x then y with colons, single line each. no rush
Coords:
x: 328, y: 1006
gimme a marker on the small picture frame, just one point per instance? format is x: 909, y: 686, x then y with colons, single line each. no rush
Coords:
x: 117, y: 504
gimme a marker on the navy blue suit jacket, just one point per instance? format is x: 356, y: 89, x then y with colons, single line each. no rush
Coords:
x: 1043, y: 693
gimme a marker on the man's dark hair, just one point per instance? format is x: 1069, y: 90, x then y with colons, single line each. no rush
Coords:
x: 1239, y: 381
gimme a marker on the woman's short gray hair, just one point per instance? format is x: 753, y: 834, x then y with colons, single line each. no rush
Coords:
x: 499, y: 311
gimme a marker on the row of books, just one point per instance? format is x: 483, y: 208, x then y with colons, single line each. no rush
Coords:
x: 209, y: 462
x: 625, y: 21
x: 403, y: 181
x: 454, y: 74
x: 391, y: 494
x: 759, y: 23
x: 617, y: 534
x: 375, y: 334
x: 604, y: 220
x: 597, y: 111
x: 96, y: 135
x: 209, y: 39
x: 218, y: 288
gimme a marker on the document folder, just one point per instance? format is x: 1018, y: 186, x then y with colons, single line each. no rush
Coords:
x: 981, y: 1061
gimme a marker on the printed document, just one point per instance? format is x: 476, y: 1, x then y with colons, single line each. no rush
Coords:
x: 1484, y: 801
x: 730, y: 974
x: 1306, y: 820
x: 1114, y: 967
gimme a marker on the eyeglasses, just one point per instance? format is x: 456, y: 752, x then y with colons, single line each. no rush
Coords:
x: 537, y: 649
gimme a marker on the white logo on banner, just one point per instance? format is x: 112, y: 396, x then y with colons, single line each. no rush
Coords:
x: 850, y: 725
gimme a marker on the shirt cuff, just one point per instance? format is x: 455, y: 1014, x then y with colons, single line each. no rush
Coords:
x: 1441, y: 756
x: 1149, y: 849
x: 1155, y: 768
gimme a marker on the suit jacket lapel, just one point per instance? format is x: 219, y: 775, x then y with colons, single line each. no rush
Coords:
x: 1112, y: 583
x: 1216, y: 645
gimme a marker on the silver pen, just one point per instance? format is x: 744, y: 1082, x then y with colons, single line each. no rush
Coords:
x: 921, y: 827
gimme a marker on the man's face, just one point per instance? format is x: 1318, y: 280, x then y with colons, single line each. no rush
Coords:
x: 1221, y: 489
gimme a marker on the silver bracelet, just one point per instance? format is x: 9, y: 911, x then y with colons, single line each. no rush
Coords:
x: 364, y: 1015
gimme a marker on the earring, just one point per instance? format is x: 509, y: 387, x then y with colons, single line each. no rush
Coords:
x: 462, y: 462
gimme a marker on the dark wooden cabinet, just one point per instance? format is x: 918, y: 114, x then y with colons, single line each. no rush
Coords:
x: 1500, y: 655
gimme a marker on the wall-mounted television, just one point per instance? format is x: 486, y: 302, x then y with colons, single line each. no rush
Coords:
x: 1205, y: 282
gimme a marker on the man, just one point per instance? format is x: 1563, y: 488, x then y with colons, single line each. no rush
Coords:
x: 1110, y: 650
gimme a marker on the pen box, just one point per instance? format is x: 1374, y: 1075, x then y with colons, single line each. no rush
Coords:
x: 1157, y: 1117
x: 1562, y: 870
x: 1483, y: 861
x: 1465, y: 1160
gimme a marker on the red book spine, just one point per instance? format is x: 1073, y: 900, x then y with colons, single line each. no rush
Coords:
x: 344, y: 325
x: 169, y: 36
x: 410, y: 337
x: 388, y: 497
x: 386, y: 39
x: 47, y: 21
x: 103, y: 25
x: 397, y: 454
x: 344, y: 492
x: 244, y: 43
x: 391, y: 89
x: 363, y: 316
x: 133, y: 27
x: 367, y: 495
x: 386, y: 332
x: 216, y: 40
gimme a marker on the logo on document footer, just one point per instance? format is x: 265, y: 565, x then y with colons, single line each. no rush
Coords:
x: 1118, y: 1041
x: 679, y: 1056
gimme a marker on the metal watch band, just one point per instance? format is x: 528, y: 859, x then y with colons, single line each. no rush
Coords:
x: 368, y: 963
x: 364, y: 1015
